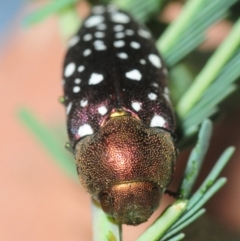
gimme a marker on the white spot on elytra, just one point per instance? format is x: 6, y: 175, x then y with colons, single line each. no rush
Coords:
x: 152, y: 96
x: 166, y: 90
x: 136, y: 105
x: 81, y: 68
x: 85, y: 130
x: 118, y: 28
x: 76, y: 89
x: 95, y: 79
x: 165, y: 71
x: 69, y: 70
x: 142, y: 61
x: 120, y: 18
x: 167, y: 98
x: 93, y: 21
x: 74, y: 40
x: 119, y: 44
x: 99, y: 35
x: 77, y: 81
x: 83, y: 103
x: 87, y: 52
x: 155, y: 60
x: 122, y: 55
x: 87, y: 37
x: 102, y: 110
x: 144, y: 33
x: 129, y: 32
x: 69, y: 107
x: 101, y: 26
x: 166, y: 94
x: 99, y: 45
x: 98, y: 9
x: 157, y: 121
x: 155, y: 85
x: 134, y: 75
x: 120, y: 35
x: 135, y: 45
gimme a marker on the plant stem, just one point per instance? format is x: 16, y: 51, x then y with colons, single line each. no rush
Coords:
x: 104, y: 227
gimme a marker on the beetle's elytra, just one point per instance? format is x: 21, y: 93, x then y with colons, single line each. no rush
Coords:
x: 119, y: 117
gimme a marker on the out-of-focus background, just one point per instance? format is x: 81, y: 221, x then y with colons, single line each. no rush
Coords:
x: 38, y: 201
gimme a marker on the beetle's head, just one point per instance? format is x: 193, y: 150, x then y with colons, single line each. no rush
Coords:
x: 131, y: 203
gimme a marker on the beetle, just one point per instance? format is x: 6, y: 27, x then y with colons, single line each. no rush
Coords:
x: 120, y: 121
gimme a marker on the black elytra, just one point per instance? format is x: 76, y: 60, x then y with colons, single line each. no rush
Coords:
x: 112, y: 63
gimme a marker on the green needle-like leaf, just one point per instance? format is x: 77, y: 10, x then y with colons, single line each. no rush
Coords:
x: 48, y: 141
x: 177, y: 237
x: 69, y: 22
x: 142, y: 10
x: 54, y: 7
x: 210, y: 71
x: 196, y: 158
x: 222, y: 161
x: 170, y: 36
x: 183, y: 225
x: 192, y: 210
x: 166, y: 220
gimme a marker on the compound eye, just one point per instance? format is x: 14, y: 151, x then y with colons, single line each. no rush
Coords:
x: 106, y: 203
x: 156, y: 197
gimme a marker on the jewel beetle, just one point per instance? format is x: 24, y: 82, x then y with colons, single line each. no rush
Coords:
x: 120, y: 120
